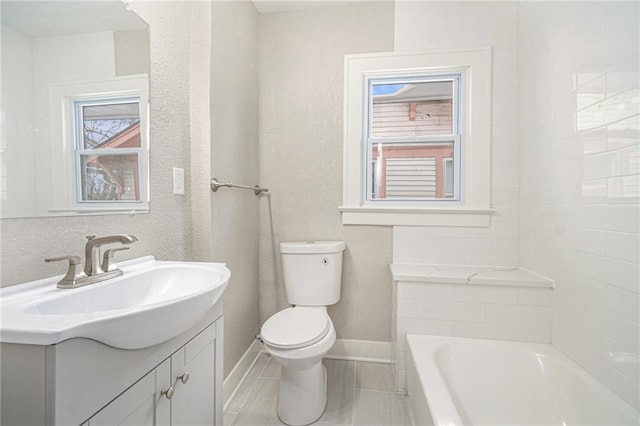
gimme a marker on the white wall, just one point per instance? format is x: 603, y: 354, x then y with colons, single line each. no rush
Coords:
x: 301, y: 125
x: 16, y: 140
x: 56, y: 60
x: 451, y: 25
x: 51, y: 60
x: 580, y: 170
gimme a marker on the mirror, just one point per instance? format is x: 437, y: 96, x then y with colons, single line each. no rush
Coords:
x: 75, y: 90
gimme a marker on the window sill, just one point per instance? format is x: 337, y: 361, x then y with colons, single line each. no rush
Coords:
x: 98, y: 211
x: 416, y: 216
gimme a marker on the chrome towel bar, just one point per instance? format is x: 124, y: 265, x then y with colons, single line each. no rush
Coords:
x: 215, y: 185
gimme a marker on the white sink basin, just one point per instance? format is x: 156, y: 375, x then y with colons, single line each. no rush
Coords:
x: 150, y: 303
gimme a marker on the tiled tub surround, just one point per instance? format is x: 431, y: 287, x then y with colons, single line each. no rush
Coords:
x: 504, y: 303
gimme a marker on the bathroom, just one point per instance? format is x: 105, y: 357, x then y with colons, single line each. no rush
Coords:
x: 253, y: 93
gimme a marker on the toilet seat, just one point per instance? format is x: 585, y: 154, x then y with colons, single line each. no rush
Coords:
x: 294, y: 328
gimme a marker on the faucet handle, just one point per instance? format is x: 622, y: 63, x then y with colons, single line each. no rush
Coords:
x: 73, y: 260
x: 108, y: 255
x: 74, y: 273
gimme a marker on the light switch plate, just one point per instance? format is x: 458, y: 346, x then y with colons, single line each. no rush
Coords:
x: 178, y: 181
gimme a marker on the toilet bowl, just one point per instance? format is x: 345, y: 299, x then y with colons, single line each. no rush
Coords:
x: 298, y: 338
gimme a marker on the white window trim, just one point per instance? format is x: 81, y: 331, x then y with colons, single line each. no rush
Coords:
x: 62, y: 98
x: 475, y: 207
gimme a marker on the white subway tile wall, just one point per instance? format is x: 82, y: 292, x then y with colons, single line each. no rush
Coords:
x: 580, y: 178
x: 566, y: 173
x: 454, y: 25
x: 479, y: 311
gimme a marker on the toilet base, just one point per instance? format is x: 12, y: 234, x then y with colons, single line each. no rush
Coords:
x: 302, y: 397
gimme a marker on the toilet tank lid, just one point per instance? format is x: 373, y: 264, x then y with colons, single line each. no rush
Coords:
x: 312, y: 247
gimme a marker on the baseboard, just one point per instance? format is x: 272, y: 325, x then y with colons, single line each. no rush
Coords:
x: 235, y: 378
x: 353, y: 350
x: 361, y: 350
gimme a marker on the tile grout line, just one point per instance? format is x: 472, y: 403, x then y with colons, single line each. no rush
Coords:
x: 354, y: 407
x: 353, y: 396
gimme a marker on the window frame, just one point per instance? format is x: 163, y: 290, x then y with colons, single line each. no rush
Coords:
x: 456, y: 137
x: 474, y: 208
x: 80, y: 151
x: 62, y: 99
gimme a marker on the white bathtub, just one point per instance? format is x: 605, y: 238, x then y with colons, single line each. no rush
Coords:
x: 459, y: 381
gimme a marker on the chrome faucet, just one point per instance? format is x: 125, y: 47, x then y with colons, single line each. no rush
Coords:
x: 92, y: 264
x: 94, y: 271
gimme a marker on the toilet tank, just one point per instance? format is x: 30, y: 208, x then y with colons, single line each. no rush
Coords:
x: 312, y: 272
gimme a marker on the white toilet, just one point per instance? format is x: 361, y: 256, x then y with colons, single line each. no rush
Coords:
x: 300, y: 337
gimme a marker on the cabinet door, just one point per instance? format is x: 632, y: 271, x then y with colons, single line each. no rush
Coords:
x: 194, y: 401
x: 140, y: 404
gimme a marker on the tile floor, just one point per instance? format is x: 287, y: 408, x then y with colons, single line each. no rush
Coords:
x: 360, y: 393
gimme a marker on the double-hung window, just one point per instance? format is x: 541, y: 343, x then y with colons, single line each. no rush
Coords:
x: 108, y: 150
x: 413, y: 125
x: 100, y: 146
x: 417, y: 138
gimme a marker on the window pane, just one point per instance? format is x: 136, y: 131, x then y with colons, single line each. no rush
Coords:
x: 111, y: 125
x: 449, y: 177
x: 410, y: 171
x: 411, y: 109
x: 110, y: 178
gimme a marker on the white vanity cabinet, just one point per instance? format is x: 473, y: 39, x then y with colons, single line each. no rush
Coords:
x: 137, y: 405
x: 83, y: 382
x: 193, y: 374
x: 180, y: 391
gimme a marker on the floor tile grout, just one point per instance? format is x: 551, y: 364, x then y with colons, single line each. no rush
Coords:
x: 252, y: 385
x: 353, y: 397
x: 250, y: 412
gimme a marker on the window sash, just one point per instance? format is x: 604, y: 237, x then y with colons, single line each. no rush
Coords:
x: 455, y: 79
x: 455, y: 137
x: 79, y: 150
x: 108, y: 153
x: 371, y: 186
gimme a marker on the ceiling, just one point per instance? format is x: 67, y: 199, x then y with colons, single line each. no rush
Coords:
x: 35, y: 19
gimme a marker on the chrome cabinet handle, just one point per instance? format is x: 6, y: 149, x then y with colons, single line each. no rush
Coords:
x: 184, y: 377
x: 168, y: 393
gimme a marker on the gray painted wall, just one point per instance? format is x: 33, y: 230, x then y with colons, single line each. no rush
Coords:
x: 234, y: 157
x: 301, y: 123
